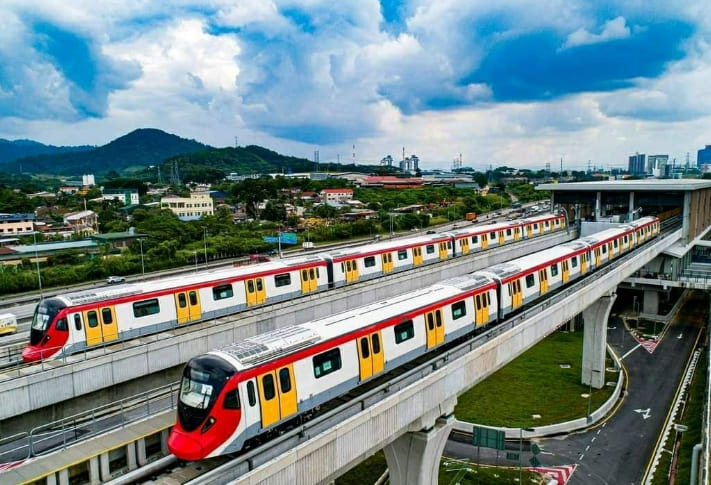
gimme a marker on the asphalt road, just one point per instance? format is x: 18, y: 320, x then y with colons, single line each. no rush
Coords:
x: 618, y: 449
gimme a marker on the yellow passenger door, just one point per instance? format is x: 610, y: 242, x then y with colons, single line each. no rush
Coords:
x: 268, y: 399
x: 187, y: 306
x: 464, y: 245
x: 255, y: 290
x: 287, y: 391
x: 417, y: 256
x: 388, y: 265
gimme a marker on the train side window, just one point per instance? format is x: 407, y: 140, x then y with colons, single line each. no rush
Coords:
x: 182, y: 301
x: 626, y: 239
x: 77, y: 321
x: 375, y: 338
x: 404, y: 331
x: 574, y: 261
x: 430, y: 249
x: 475, y: 239
x: 449, y: 244
x: 548, y: 223
x: 604, y: 249
x: 93, y: 319
x: 62, y: 325
x: 231, y: 399
x: 282, y: 280
x: 615, y: 242
x: 508, y: 232
x: 146, y: 307
x: 193, y: 298
x: 343, y: 268
x: 369, y: 261
x: 268, y: 387
x: 221, y: 292
x: 106, y: 316
x: 327, y: 362
x: 554, y: 269
x: 492, y: 235
x: 459, y: 309
x: 251, y: 395
x: 284, y: 380
x: 402, y: 254
x: 530, y: 281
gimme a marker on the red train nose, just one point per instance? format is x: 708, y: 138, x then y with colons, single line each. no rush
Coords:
x: 31, y: 354
x: 184, y: 446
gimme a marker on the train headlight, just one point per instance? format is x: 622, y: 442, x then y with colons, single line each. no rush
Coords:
x: 208, y: 424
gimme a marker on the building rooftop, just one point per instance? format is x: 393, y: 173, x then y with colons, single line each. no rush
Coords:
x: 660, y: 185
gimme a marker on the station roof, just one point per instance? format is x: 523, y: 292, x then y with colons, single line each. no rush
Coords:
x: 652, y: 185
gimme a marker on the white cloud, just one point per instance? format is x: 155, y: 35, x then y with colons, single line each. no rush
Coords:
x: 613, y: 29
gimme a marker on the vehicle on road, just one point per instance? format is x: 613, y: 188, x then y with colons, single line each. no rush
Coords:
x: 115, y: 279
x: 8, y: 323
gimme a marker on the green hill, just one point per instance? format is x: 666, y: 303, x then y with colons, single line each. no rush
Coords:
x: 14, y: 149
x: 140, y: 148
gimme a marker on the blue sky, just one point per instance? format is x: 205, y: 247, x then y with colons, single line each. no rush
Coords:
x: 511, y: 82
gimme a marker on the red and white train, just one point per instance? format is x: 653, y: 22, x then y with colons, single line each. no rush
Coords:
x: 245, y: 389
x: 69, y: 323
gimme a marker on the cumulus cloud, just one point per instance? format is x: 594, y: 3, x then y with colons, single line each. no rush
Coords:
x: 613, y: 29
x: 306, y: 73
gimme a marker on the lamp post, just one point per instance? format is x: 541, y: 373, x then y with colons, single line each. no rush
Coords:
x: 195, y: 253
x: 520, y: 451
x: 143, y: 268
x: 204, y: 241
x: 39, y: 277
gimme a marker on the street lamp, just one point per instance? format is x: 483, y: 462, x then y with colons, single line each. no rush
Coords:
x: 143, y: 268
x: 195, y: 253
x: 520, y: 451
x: 204, y: 240
x: 39, y: 278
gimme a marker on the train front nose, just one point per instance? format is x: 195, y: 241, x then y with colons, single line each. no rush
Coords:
x: 31, y: 353
x: 184, y: 446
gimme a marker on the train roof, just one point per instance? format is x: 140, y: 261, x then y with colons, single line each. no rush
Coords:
x: 531, y: 261
x: 387, y: 245
x: 186, y: 279
x: 260, y: 348
x: 607, y: 234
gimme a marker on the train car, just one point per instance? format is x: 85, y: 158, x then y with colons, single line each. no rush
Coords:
x: 72, y: 322
x: 645, y: 228
x: 243, y: 390
x: 246, y: 389
x: 350, y: 265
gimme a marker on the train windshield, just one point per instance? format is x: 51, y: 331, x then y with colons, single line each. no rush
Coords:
x: 196, y: 390
x: 203, y: 379
x: 44, y: 314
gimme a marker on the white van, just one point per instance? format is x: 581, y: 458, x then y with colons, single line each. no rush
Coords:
x: 8, y: 323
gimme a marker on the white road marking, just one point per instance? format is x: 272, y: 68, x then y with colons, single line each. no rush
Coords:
x: 630, y: 351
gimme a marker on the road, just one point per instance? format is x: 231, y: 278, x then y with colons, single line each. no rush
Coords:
x: 617, y: 450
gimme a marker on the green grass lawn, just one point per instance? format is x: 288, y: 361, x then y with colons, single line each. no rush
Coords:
x: 450, y: 472
x: 535, y: 383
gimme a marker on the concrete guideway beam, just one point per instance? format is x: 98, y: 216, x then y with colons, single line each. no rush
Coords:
x: 595, y: 319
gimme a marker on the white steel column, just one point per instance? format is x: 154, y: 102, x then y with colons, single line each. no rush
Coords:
x: 595, y: 340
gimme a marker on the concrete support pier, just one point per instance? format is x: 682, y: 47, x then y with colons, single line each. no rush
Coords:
x: 413, y: 458
x: 651, y: 302
x: 595, y: 340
